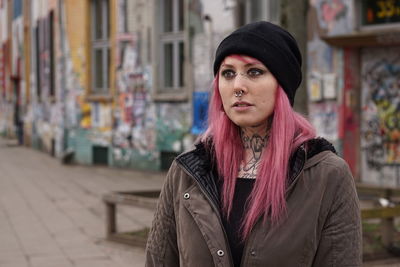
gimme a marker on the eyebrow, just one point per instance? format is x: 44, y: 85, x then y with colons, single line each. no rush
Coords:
x: 247, y: 64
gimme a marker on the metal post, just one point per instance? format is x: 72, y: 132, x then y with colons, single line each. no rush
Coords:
x: 111, y: 219
x: 387, y: 231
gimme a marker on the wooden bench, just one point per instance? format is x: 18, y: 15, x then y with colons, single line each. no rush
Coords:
x: 148, y: 200
x: 387, y: 215
x: 142, y: 199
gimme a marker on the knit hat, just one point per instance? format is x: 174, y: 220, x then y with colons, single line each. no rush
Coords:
x: 273, y: 46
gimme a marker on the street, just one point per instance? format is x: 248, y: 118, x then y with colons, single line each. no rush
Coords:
x: 52, y: 215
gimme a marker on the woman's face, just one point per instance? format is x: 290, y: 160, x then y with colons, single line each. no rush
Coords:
x: 255, y: 89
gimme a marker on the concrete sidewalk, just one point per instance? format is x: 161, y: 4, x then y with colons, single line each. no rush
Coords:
x: 51, y: 215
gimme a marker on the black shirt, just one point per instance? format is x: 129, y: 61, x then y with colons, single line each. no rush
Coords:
x: 232, y: 226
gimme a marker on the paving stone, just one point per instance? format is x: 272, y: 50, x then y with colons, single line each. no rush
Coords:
x: 50, y: 261
x: 84, y: 251
x: 10, y: 255
x: 94, y: 263
x: 15, y: 263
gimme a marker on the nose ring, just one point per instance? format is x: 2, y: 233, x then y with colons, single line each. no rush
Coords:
x: 239, y: 93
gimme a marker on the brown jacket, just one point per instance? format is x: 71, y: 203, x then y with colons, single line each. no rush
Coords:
x: 322, y: 226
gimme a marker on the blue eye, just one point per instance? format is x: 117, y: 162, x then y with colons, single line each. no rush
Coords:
x: 254, y: 72
x: 228, y: 74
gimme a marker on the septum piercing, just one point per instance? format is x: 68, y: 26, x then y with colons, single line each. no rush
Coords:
x: 239, y: 93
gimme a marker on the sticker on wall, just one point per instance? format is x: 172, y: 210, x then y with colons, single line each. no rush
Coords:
x: 315, y: 87
x: 329, y: 86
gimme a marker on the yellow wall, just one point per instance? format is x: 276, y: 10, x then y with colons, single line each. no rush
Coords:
x: 78, y: 32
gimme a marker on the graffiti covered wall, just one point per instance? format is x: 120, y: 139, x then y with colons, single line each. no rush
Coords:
x: 381, y: 116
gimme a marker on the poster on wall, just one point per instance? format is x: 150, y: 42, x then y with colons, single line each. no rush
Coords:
x: 324, y: 117
x: 200, y: 108
x: 315, y: 87
x: 329, y: 85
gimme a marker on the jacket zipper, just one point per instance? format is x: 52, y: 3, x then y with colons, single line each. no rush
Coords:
x: 188, y: 172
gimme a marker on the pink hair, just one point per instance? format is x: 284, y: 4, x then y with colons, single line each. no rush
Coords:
x: 288, y: 130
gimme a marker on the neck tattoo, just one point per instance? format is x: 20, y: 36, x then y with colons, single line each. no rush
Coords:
x: 254, y: 145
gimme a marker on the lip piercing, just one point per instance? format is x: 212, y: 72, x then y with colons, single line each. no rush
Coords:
x: 239, y: 93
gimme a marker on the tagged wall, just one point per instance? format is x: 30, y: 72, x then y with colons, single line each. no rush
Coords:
x: 381, y: 115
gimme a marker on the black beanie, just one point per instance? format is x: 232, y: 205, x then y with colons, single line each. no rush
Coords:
x: 273, y: 46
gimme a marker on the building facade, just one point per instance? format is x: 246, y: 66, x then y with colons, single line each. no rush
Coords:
x: 115, y: 82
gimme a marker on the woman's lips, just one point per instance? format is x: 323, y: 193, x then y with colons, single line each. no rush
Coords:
x: 241, y: 105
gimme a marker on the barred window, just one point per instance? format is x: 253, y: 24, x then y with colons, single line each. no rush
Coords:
x: 100, y: 46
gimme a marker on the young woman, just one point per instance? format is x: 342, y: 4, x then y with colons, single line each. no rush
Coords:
x: 259, y: 189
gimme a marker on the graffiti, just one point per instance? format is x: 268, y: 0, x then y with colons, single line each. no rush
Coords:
x: 381, y: 108
x: 324, y: 117
x: 329, y: 17
x: 332, y: 11
x: 200, y: 112
x: 126, y: 106
x: 99, y: 137
x: 172, y: 125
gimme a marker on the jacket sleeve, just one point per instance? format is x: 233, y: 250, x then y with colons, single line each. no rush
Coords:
x: 340, y: 242
x: 161, y: 248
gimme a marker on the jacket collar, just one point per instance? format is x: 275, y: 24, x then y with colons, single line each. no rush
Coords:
x: 200, y: 165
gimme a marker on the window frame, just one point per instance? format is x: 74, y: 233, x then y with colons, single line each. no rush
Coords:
x: 100, y: 44
x: 267, y: 12
x: 175, y: 37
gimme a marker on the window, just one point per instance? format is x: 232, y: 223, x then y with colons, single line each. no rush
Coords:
x: 100, y: 46
x: 256, y: 10
x: 172, y: 46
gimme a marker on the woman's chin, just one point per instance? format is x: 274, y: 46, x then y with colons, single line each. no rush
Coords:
x: 250, y: 124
